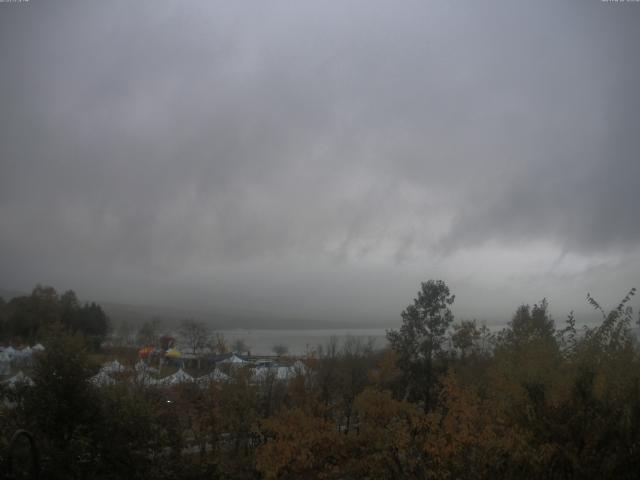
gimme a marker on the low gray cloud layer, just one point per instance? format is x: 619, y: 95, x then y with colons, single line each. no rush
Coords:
x: 316, y: 159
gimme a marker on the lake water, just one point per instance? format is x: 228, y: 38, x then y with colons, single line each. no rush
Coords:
x: 299, y: 342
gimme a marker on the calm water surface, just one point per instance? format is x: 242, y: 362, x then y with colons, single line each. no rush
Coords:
x: 299, y: 342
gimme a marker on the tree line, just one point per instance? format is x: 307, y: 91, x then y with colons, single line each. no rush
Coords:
x: 444, y: 400
x: 27, y: 318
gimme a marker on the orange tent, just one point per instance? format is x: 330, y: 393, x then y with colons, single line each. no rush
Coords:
x: 144, y: 351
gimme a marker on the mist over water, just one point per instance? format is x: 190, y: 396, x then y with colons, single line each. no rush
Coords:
x: 301, y: 342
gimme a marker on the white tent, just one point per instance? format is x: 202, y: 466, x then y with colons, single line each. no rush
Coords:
x: 277, y: 372
x: 26, y: 351
x: 23, y: 354
x: 283, y: 373
x: 140, y: 366
x: 144, y: 378
x: 5, y: 364
x: 233, y: 359
x: 102, y: 378
x: 176, y: 378
x: 113, y: 367
x: 215, y: 376
x: 19, y: 378
x: 299, y: 368
x: 10, y: 352
x: 261, y: 374
x: 38, y: 347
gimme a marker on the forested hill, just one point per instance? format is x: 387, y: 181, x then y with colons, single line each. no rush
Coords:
x: 9, y: 294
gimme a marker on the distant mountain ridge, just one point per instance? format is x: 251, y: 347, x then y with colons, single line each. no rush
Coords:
x: 9, y: 294
x: 171, y: 316
x: 136, y: 315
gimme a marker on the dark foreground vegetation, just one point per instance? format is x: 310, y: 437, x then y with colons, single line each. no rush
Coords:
x: 446, y: 400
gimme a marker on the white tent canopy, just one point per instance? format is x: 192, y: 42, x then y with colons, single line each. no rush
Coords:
x: 283, y: 373
x: 141, y: 366
x: 176, y: 378
x: 215, y: 376
x: 10, y: 352
x: 26, y: 350
x: 102, y: 378
x: 299, y: 367
x: 113, y: 367
x: 5, y: 366
x: 19, y: 378
x: 233, y: 359
x: 144, y: 378
x: 277, y: 372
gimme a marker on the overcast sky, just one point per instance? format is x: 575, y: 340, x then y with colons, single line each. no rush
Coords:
x: 317, y: 160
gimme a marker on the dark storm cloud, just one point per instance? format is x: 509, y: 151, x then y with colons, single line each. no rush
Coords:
x: 578, y: 185
x: 205, y: 148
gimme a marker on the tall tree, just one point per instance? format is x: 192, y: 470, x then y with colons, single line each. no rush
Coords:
x: 194, y: 333
x: 280, y: 349
x: 62, y: 406
x: 148, y: 333
x: 465, y: 337
x: 530, y: 324
x: 88, y: 319
x: 219, y: 343
x: 29, y: 315
x: 420, y: 339
x: 240, y: 346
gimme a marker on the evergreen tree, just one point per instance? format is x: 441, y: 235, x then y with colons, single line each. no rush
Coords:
x: 420, y: 338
